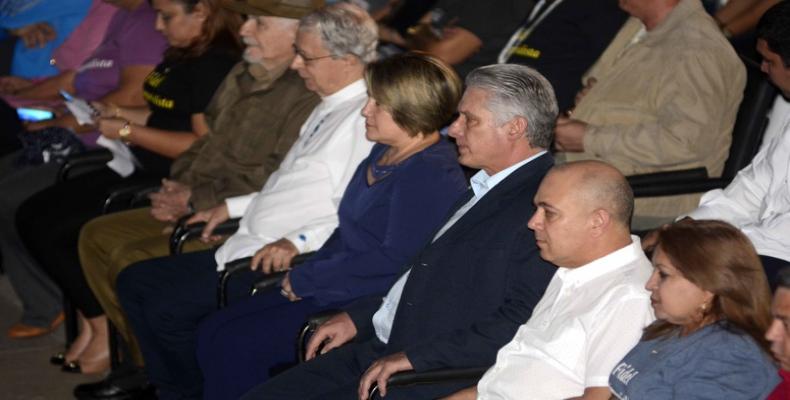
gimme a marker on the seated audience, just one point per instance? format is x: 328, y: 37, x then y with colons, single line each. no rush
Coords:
x: 253, y: 119
x: 203, y: 47
x: 463, y: 295
x: 711, y: 301
x: 594, y: 308
x: 296, y: 210
x: 562, y: 39
x: 756, y: 200
x: 395, y: 200
x: 114, y: 73
x: 779, y: 334
x: 465, y: 34
x: 663, y: 96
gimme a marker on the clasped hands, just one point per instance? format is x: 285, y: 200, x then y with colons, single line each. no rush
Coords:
x: 171, y: 202
x: 339, y: 330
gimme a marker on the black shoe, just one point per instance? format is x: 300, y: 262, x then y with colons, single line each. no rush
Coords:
x: 71, y: 367
x: 58, y: 359
x: 127, y: 385
x: 109, y: 391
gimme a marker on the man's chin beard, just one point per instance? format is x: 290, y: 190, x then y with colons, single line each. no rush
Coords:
x: 250, y: 60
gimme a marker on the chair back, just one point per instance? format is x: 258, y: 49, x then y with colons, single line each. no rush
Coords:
x: 751, y: 121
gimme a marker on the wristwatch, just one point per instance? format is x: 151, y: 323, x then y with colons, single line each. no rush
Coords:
x: 125, y: 131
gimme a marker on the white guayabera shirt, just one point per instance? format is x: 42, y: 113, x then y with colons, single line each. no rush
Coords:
x: 588, y: 319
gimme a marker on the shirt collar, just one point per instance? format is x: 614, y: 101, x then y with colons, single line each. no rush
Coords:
x: 482, y: 183
x: 603, y: 265
x: 349, y: 92
x: 678, y: 16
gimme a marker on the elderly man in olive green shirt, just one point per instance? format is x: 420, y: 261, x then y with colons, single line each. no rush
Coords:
x: 254, y: 118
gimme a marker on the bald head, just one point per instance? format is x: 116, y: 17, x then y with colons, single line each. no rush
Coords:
x: 599, y: 186
x: 583, y: 213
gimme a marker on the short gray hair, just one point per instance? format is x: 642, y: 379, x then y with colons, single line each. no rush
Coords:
x: 344, y: 29
x: 519, y: 91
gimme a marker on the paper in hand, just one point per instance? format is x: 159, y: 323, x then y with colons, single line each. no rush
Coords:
x: 79, y: 108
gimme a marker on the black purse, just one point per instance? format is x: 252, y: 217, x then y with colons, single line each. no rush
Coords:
x: 48, y: 145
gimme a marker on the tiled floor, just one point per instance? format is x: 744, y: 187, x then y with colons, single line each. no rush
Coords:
x: 25, y: 373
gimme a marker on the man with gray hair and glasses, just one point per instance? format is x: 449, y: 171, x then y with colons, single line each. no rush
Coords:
x: 466, y: 292
x: 295, y: 211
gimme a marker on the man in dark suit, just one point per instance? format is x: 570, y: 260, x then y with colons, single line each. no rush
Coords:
x: 465, y: 294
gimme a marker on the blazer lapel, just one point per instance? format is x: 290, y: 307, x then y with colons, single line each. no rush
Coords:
x: 529, y: 174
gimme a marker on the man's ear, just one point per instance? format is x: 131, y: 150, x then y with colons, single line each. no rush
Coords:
x: 517, y: 128
x: 600, y: 219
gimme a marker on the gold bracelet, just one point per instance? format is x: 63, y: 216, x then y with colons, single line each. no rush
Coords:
x: 125, y: 131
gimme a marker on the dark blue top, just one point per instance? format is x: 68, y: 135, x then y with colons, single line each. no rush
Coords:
x: 381, y: 226
x: 715, y: 362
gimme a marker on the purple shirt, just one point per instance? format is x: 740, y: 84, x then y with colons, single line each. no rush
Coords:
x: 130, y: 40
x: 85, y: 38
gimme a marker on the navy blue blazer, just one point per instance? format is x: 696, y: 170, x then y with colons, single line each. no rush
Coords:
x: 470, y: 290
x: 382, y: 225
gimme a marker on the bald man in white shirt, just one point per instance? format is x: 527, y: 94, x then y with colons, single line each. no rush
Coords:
x: 595, y: 306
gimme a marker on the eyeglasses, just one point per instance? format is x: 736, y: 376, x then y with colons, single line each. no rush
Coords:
x: 307, y: 59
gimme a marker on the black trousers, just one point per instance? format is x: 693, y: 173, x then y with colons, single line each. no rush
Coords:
x: 49, y: 224
x: 335, y: 376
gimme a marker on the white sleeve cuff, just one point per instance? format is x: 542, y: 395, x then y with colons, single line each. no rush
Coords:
x: 238, y: 205
x: 299, y: 241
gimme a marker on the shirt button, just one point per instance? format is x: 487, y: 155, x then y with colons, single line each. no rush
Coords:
x: 52, y: 61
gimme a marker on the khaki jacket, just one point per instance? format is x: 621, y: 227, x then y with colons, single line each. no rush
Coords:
x: 667, y: 102
x: 252, y: 124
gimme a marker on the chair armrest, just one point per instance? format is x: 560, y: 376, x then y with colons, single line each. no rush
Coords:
x: 231, y: 269
x: 129, y: 196
x: 679, y: 187
x: 410, y: 378
x: 268, y: 282
x: 313, y: 322
x: 667, y: 176
x: 265, y: 283
x: 85, y: 160
x: 184, y: 232
x: 672, y: 183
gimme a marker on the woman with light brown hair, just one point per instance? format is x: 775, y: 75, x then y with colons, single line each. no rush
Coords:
x: 712, y: 305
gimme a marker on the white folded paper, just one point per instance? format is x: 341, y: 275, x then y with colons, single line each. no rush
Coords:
x: 81, y: 110
x: 123, y: 161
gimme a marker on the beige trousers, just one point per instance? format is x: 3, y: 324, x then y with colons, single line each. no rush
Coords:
x: 110, y: 243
